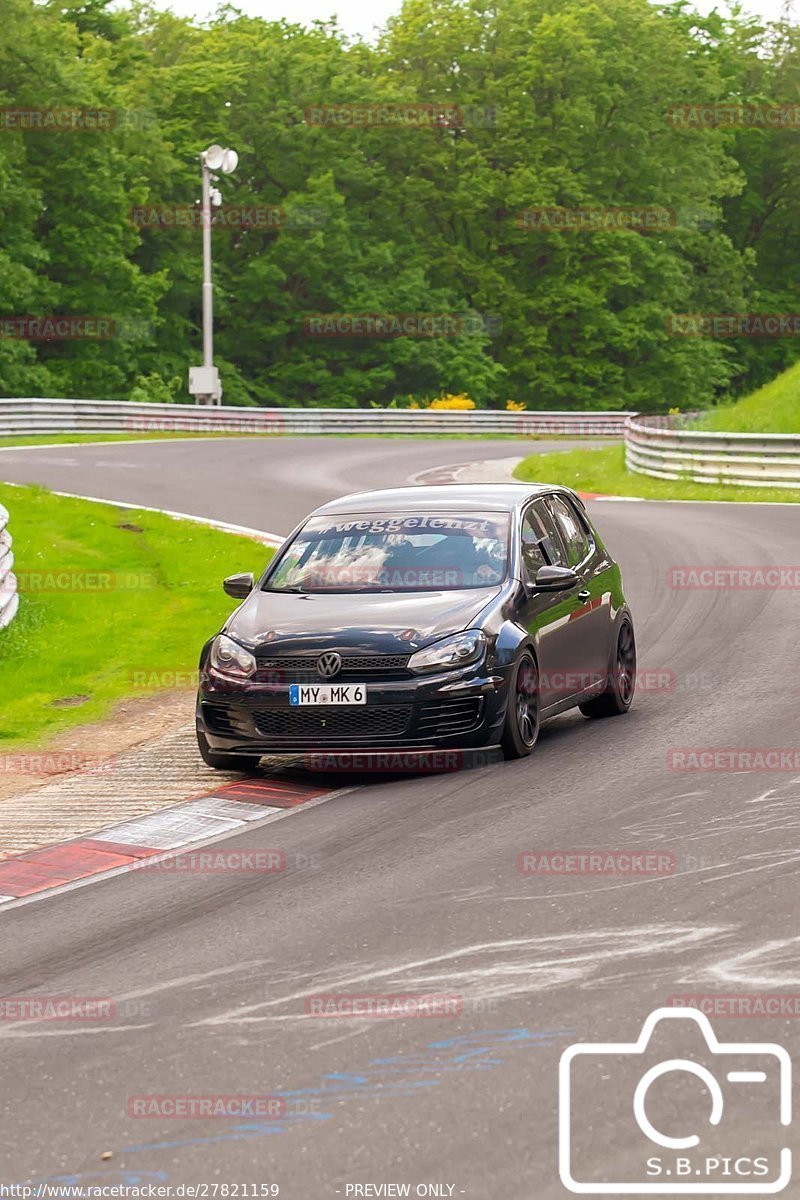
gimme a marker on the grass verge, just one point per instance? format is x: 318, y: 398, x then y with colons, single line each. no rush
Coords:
x: 106, y: 592
x: 604, y: 471
x: 774, y: 408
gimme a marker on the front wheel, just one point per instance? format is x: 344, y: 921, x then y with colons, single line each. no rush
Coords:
x: 521, y: 727
x: 621, y: 681
x: 225, y: 762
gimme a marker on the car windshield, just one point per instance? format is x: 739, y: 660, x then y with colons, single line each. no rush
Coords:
x: 411, y: 553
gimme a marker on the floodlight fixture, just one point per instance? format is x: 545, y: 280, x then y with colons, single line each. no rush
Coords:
x: 230, y: 161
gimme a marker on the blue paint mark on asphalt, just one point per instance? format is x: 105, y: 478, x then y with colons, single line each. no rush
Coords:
x: 376, y: 1080
x: 381, y: 1077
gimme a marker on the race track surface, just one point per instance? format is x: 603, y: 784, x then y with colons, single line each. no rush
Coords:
x: 412, y: 885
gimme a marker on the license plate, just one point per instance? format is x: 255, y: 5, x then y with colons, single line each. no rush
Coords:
x: 327, y: 693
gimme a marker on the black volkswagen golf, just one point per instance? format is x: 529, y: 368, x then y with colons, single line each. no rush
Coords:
x: 420, y: 618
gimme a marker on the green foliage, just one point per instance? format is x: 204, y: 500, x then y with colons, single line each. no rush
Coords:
x: 556, y: 103
x: 152, y: 389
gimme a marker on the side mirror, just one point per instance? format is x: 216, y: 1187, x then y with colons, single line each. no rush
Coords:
x: 239, y: 586
x: 555, y: 579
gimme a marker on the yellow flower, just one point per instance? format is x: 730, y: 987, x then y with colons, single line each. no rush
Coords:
x: 515, y: 406
x: 450, y: 401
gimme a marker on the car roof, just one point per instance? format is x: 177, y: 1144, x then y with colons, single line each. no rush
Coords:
x: 451, y: 497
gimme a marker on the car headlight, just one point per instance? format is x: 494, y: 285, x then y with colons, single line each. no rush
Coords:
x: 457, y: 651
x: 229, y: 658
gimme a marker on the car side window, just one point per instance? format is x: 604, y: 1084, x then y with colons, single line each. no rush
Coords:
x: 545, y: 534
x: 575, y: 537
x: 532, y: 534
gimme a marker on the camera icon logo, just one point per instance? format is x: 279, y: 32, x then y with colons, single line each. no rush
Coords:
x: 704, y: 1124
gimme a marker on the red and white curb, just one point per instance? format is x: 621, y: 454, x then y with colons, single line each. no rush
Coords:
x: 123, y: 846
x: 492, y: 470
x: 220, y: 814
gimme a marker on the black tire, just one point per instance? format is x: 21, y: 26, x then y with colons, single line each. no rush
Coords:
x: 225, y: 762
x: 521, y: 728
x: 621, y: 679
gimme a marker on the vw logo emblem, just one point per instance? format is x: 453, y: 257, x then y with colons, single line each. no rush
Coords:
x: 329, y: 664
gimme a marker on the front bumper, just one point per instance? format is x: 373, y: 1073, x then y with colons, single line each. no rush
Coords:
x: 452, y: 710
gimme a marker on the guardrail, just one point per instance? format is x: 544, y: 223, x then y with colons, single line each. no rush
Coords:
x: 664, y: 448
x: 36, y: 415
x: 9, y: 599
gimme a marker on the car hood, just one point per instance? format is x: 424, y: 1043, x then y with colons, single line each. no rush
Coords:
x: 274, y: 623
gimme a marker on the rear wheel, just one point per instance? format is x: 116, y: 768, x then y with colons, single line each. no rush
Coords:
x: 521, y: 728
x: 621, y: 682
x: 225, y: 762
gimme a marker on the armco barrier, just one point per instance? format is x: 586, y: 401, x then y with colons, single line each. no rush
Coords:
x: 9, y: 600
x: 107, y: 416
x: 665, y: 448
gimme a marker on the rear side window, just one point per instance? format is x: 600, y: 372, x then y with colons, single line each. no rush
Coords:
x: 576, y: 539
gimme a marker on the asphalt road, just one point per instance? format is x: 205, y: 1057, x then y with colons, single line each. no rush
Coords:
x: 269, y: 483
x: 412, y: 885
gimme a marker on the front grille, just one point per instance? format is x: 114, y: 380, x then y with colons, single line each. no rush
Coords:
x: 333, y: 724
x: 449, y: 717
x: 302, y: 668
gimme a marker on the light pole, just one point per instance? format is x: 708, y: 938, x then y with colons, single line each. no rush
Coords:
x: 204, y: 383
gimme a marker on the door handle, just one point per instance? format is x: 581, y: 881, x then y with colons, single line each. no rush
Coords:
x: 585, y: 594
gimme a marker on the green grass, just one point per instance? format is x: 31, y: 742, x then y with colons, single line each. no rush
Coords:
x: 604, y: 471
x: 165, y: 600
x: 774, y: 408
